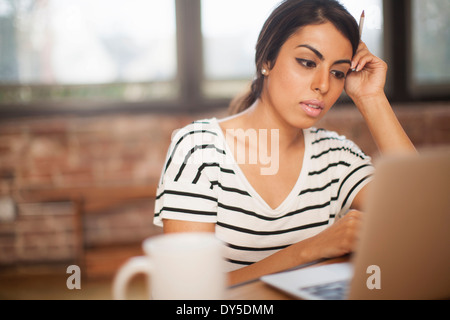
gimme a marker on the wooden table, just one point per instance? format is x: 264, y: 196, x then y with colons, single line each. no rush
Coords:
x: 256, y: 290
x: 50, y: 284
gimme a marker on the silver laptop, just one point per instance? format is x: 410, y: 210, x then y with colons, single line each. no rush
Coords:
x: 404, y: 248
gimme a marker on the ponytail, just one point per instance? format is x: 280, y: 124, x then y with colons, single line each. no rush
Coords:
x: 246, y: 99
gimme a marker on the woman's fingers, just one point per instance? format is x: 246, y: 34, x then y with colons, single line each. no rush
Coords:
x: 364, y: 57
x: 360, y: 58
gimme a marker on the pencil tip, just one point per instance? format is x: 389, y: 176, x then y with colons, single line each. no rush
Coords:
x: 362, y: 15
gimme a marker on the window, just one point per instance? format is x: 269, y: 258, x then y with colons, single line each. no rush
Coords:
x: 373, y: 33
x: 430, y: 47
x: 187, y: 55
x: 87, y: 49
x: 229, y: 48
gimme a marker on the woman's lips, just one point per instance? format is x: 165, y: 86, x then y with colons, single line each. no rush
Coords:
x: 312, y: 108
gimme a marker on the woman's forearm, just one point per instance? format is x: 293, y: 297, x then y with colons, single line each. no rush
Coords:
x: 292, y: 256
x: 337, y: 240
x: 384, y: 126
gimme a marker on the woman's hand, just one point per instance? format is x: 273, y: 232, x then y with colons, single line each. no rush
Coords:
x: 335, y: 241
x: 340, y: 238
x: 365, y: 86
x: 369, y: 77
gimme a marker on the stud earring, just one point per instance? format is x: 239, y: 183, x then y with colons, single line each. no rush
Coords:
x: 264, y: 72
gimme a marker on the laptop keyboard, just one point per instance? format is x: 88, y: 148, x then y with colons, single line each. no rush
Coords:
x: 329, y: 291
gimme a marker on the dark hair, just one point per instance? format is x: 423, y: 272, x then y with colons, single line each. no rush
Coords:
x: 285, y: 20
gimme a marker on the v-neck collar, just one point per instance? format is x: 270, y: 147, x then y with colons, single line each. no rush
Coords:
x: 249, y: 188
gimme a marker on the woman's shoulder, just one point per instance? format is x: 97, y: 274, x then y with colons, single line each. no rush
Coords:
x: 200, y: 137
x: 197, y: 132
x: 323, y: 140
x: 194, y: 146
x: 201, y: 124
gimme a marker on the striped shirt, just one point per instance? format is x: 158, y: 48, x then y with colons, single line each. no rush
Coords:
x: 202, y: 182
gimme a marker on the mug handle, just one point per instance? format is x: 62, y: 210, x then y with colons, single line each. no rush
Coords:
x: 133, y: 266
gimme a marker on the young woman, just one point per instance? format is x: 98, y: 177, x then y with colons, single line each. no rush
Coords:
x: 307, y: 208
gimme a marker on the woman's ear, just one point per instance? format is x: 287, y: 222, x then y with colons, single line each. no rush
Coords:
x: 265, y: 70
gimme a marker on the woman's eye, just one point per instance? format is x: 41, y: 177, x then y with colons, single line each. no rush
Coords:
x: 338, y: 74
x: 307, y: 63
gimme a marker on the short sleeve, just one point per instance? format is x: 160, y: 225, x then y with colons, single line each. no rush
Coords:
x: 339, y: 165
x: 185, y: 191
x: 353, y: 177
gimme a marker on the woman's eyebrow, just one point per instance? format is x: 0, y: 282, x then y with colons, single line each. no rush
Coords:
x: 343, y: 61
x: 320, y: 55
x: 316, y: 52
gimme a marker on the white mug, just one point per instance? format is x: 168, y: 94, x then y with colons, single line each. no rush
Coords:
x: 179, y: 266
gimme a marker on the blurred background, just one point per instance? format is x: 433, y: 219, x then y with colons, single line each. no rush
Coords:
x: 91, y: 91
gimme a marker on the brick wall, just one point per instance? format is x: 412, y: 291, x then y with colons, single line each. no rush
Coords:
x: 77, y: 152
x: 73, y: 151
x: 40, y: 232
x: 121, y: 149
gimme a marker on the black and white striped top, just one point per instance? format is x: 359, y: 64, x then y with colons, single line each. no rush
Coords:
x: 201, y: 181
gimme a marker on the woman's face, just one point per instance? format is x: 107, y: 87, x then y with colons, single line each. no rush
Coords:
x: 309, y: 75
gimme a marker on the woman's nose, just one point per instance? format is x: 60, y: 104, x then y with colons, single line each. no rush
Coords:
x: 321, y: 81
